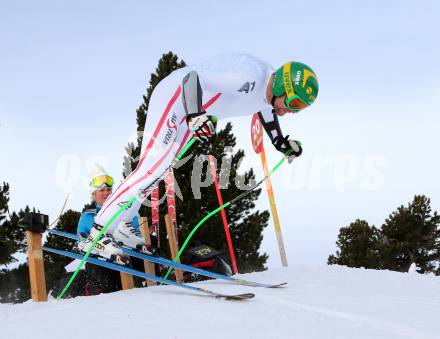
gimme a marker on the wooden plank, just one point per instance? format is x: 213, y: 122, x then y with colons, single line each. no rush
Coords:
x: 126, y: 281
x: 174, y: 249
x: 149, y: 266
x: 36, y: 266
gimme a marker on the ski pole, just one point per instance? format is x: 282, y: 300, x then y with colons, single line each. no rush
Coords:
x: 240, y: 196
x: 109, y: 222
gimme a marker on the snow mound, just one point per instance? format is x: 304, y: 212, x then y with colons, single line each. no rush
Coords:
x: 325, y: 302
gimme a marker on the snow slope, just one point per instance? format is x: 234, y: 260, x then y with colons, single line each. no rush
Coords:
x: 324, y: 303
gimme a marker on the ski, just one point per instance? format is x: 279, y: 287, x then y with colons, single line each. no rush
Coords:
x: 183, y: 267
x: 143, y: 275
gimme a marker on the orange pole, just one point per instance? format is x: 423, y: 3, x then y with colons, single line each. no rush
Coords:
x: 273, y: 209
x: 223, y: 214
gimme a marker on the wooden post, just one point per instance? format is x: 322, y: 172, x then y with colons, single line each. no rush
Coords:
x: 173, y: 244
x: 36, y: 266
x: 148, y: 265
x: 126, y: 281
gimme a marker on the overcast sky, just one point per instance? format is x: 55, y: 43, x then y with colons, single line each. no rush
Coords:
x: 72, y: 74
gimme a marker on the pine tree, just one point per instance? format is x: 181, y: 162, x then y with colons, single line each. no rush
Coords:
x: 412, y: 235
x: 409, y: 235
x: 358, y: 246
x: 12, y: 237
x: 15, y: 285
x: 6, y: 246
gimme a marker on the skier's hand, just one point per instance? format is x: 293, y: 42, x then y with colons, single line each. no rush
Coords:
x: 289, y: 147
x: 296, y: 150
x: 202, y: 126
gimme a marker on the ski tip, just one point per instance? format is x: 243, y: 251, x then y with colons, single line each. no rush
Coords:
x: 244, y: 296
x: 279, y: 285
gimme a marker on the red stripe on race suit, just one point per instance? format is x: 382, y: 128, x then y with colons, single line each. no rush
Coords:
x: 159, y: 162
x: 148, y: 147
x: 150, y: 144
x: 204, y: 108
x: 211, y: 101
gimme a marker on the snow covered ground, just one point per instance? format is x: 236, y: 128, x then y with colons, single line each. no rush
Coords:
x: 322, y: 303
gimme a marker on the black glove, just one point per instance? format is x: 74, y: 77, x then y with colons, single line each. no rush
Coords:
x: 289, y: 147
x: 201, y: 125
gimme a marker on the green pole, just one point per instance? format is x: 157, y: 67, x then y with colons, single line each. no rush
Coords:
x: 108, y: 223
x: 201, y: 222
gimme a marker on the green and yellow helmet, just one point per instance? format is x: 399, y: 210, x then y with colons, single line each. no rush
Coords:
x: 298, y: 82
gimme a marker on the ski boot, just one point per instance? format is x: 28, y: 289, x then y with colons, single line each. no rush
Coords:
x: 106, y: 247
x: 128, y: 236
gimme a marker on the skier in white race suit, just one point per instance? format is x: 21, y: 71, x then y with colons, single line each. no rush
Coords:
x: 180, y: 108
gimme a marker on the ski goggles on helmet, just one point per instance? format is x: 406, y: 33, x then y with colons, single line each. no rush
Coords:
x: 293, y: 101
x: 102, y: 180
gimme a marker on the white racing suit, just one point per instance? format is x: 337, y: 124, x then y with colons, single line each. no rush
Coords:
x: 231, y: 85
